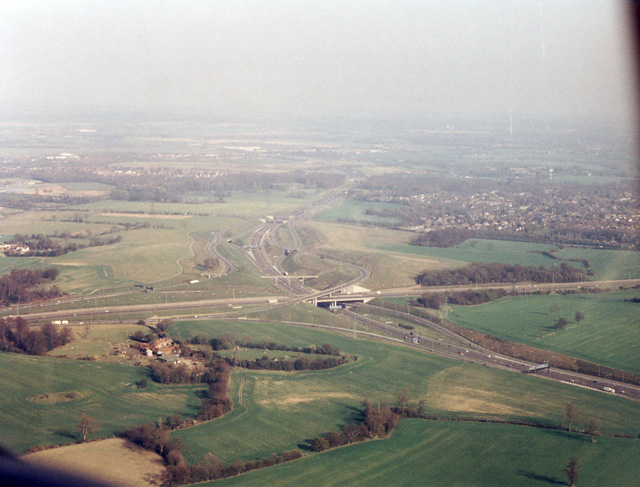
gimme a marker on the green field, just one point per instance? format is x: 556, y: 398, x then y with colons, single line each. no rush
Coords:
x: 355, y: 210
x: 276, y: 411
x: 607, y: 264
x: 609, y: 333
x: 108, y: 394
x: 475, y: 250
x: 429, y: 453
x: 240, y: 203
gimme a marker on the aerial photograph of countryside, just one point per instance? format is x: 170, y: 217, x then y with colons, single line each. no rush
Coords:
x: 319, y: 243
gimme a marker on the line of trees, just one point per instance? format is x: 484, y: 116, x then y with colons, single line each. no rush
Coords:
x: 465, y: 298
x: 379, y: 421
x: 218, y: 402
x: 157, y: 438
x: 227, y: 342
x: 497, y: 272
x: 301, y: 363
x: 216, y: 374
x: 45, y: 246
x: 24, y: 285
x: 17, y: 337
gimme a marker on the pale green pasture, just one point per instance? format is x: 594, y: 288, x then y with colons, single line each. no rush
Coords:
x: 96, y: 340
x: 146, y: 255
x: 38, y: 222
x: 370, y: 248
x: 502, y: 252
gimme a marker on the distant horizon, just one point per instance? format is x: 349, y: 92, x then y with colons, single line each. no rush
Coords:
x: 324, y: 60
x: 139, y: 116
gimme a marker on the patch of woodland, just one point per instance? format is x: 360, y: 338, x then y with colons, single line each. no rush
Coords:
x: 22, y: 201
x: 16, y: 336
x: 171, y: 185
x: 330, y: 355
x: 497, y: 272
x: 24, y: 285
x: 50, y: 246
x: 445, y: 238
x: 216, y: 374
x: 378, y: 421
x: 463, y: 298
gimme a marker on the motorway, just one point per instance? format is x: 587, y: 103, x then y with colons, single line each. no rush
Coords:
x: 295, y: 291
x: 470, y: 352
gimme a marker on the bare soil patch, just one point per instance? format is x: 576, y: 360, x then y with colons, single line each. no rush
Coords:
x: 114, y: 460
x: 148, y: 215
x: 284, y: 395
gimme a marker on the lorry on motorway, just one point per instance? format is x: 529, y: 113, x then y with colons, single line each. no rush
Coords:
x: 610, y: 390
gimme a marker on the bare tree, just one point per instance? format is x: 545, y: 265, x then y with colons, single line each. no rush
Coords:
x: 593, y: 428
x: 164, y: 325
x: 402, y: 397
x: 579, y: 317
x: 572, y: 469
x: 87, y: 424
x: 571, y: 413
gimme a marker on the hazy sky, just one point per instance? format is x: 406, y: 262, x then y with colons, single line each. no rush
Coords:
x: 277, y: 58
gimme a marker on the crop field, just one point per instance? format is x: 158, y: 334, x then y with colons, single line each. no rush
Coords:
x: 607, y: 264
x: 277, y: 411
x: 502, y: 252
x: 107, y: 393
x: 609, y: 334
x: 432, y: 453
x: 356, y: 210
